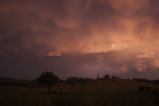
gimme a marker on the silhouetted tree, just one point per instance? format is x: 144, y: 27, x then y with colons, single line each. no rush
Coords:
x: 115, y: 77
x: 75, y: 80
x: 106, y: 76
x: 82, y: 82
x: 47, y: 78
x: 72, y: 81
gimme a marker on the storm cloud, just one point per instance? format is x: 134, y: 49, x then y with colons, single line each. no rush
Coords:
x: 74, y: 32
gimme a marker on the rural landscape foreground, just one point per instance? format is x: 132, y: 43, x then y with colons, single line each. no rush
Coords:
x: 102, y: 92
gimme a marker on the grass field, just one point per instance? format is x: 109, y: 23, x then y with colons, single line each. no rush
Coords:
x: 102, y: 93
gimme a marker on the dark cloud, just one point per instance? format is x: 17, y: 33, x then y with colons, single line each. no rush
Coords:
x: 36, y: 28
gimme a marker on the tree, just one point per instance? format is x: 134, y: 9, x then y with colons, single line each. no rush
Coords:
x: 72, y: 81
x: 47, y: 78
x: 106, y: 76
x: 75, y: 80
x: 82, y: 81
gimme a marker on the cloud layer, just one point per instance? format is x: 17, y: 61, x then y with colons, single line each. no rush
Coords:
x: 38, y: 28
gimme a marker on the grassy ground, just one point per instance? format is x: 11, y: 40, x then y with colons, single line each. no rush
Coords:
x: 103, y: 93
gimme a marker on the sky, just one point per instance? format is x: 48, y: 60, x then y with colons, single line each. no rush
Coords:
x: 79, y: 38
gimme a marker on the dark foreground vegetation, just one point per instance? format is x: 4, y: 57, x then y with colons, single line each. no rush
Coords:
x: 80, y: 92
